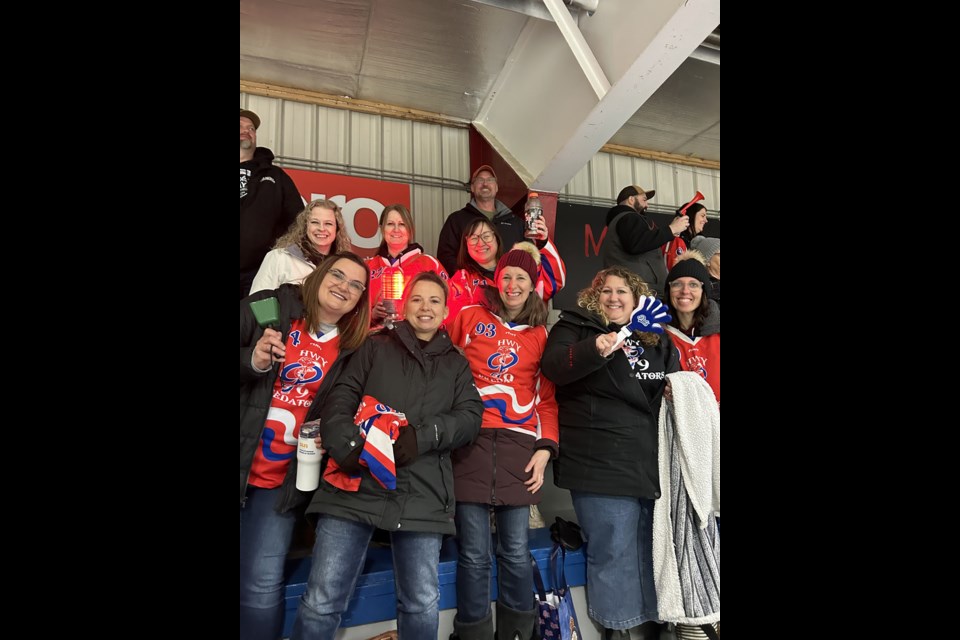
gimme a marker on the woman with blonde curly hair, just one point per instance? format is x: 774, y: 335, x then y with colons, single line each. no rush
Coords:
x: 609, y: 411
x: 317, y: 232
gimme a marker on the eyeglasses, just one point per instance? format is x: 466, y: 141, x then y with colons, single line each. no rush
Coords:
x: 676, y: 285
x: 482, y: 180
x: 355, y: 285
x: 474, y: 240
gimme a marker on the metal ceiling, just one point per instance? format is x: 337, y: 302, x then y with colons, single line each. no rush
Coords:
x: 445, y: 56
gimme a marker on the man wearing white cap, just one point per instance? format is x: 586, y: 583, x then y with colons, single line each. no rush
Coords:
x: 269, y: 201
x: 634, y: 241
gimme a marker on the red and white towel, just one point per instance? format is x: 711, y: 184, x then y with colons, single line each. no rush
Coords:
x: 379, y: 426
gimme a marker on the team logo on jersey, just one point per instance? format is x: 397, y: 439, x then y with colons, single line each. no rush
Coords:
x: 633, y: 351
x: 696, y: 363
x: 375, y: 274
x: 303, y: 371
x: 503, y: 359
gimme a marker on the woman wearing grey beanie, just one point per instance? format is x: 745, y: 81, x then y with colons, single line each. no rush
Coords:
x: 710, y: 248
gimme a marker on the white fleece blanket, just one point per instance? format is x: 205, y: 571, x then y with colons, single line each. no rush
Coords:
x: 686, y: 543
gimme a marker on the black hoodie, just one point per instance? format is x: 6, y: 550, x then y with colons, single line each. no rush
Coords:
x: 268, y: 206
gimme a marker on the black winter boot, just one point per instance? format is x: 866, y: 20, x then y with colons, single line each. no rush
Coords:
x: 479, y: 630
x: 515, y: 625
x: 649, y: 630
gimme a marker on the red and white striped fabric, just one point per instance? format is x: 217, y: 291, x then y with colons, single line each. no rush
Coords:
x: 379, y: 426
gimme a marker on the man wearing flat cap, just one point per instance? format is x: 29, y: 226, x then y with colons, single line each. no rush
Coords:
x: 634, y: 241
x: 269, y: 201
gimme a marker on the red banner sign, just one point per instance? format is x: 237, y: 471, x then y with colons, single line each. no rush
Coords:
x: 361, y: 199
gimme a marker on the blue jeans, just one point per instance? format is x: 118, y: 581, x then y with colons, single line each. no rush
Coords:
x: 338, y: 559
x: 475, y: 562
x: 264, y: 541
x: 619, y: 532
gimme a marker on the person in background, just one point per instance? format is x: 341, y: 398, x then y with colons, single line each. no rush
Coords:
x: 269, y: 201
x: 482, y: 206
x: 321, y: 323
x: 397, y: 249
x: 480, y: 249
x: 318, y: 231
x: 710, y: 248
x: 609, y: 411
x: 697, y: 214
x: 413, y: 369
x: 695, y: 327
x: 503, y: 340
x: 634, y: 241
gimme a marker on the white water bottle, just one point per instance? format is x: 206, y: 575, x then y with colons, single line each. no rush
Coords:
x: 308, y: 457
x: 532, y: 212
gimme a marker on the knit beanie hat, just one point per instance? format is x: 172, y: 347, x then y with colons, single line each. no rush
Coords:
x: 523, y: 255
x: 689, y: 267
x: 706, y: 246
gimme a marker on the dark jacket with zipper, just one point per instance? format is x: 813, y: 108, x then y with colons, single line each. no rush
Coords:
x: 634, y: 241
x: 270, y: 206
x: 434, y: 388
x: 256, y: 390
x: 507, y: 223
x: 609, y: 412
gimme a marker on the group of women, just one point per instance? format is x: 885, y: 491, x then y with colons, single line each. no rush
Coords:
x: 487, y: 396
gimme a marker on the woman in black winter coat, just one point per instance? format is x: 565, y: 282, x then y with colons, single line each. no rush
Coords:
x: 609, y: 412
x: 414, y: 377
x: 285, y: 374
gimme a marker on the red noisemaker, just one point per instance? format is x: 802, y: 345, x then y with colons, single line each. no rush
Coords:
x: 696, y: 198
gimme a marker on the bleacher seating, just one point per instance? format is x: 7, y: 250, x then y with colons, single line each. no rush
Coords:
x: 375, y: 600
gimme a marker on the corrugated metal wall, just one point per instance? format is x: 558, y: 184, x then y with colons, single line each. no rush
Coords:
x: 606, y: 174
x: 435, y: 160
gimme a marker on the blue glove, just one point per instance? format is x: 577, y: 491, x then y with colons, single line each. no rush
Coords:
x: 649, y: 315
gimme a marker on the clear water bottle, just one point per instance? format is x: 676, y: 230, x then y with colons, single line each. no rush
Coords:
x: 532, y: 212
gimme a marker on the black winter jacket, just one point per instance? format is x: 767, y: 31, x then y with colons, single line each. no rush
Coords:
x: 256, y: 390
x: 433, y: 386
x: 634, y: 241
x: 609, y: 412
x: 269, y: 207
x: 507, y: 223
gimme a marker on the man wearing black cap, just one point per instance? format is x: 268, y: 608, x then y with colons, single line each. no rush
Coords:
x: 634, y: 241
x: 269, y: 200
x: 483, y: 206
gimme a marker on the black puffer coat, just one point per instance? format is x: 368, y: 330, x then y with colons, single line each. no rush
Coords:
x: 433, y: 386
x: 609, y: 411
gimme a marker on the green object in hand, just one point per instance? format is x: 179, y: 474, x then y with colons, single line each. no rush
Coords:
x: 267, y: 312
